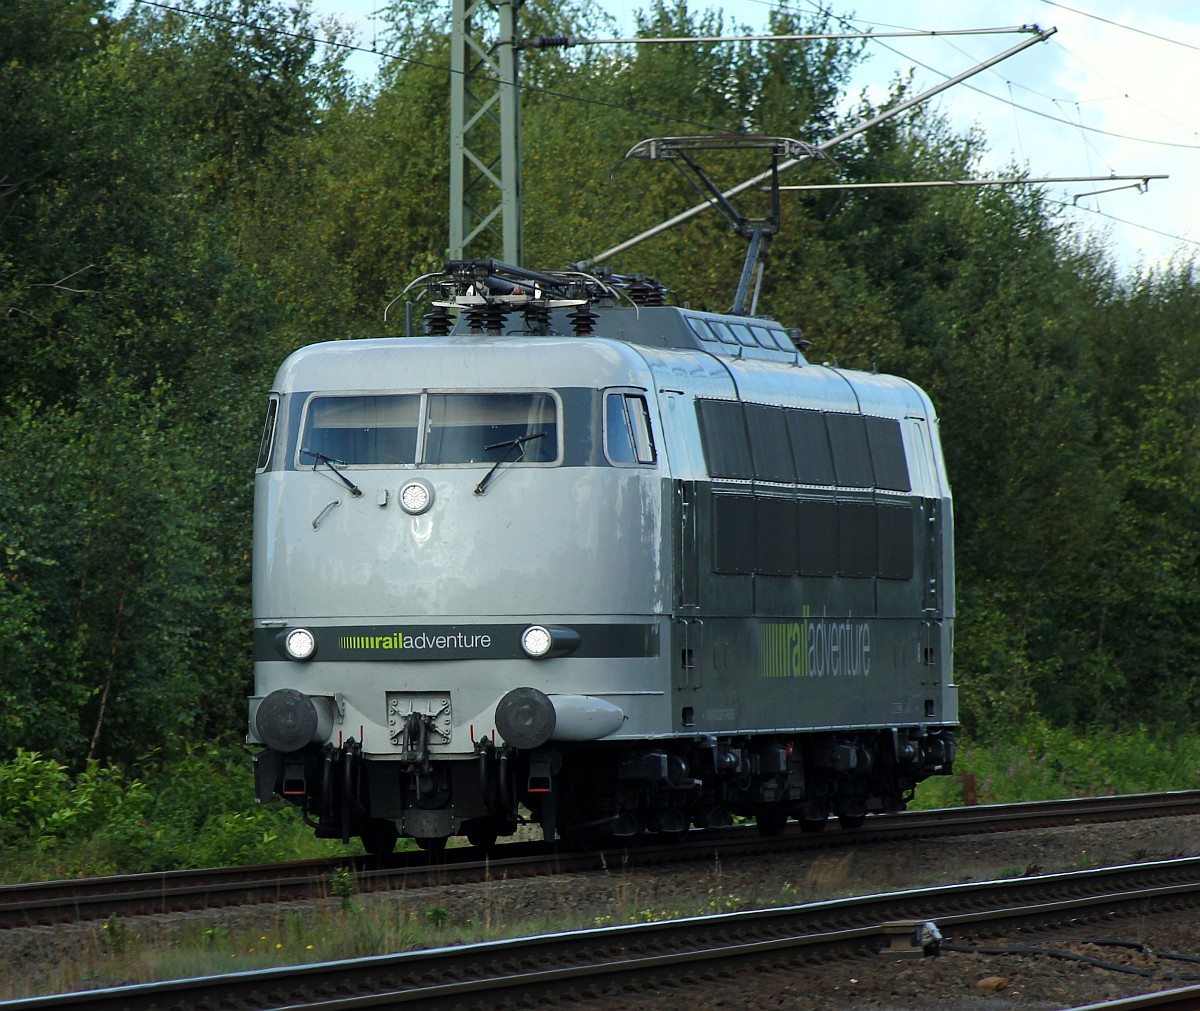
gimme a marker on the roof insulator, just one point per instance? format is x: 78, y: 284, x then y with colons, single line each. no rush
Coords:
x: 548, y: 41
x: 647, y: 291
x: 583, y: 320
x: 438, y: 321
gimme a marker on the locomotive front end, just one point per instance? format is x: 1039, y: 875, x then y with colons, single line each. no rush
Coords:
x: 442, y: 594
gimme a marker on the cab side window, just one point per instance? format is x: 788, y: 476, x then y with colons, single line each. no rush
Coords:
x: 627, y: 435
x: 268, y: 435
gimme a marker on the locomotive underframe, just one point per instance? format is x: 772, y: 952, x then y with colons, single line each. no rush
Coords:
x: 584, y: 792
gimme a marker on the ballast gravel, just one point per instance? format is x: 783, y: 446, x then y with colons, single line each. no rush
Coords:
x: 32, y: 959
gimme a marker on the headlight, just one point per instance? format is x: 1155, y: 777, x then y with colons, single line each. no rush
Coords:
x: 536, y: 640
x: 549, y: 640
x: 300, y: 644
x: 416, y: 497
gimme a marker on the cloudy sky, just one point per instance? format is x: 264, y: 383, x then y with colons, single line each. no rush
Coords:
x: 1112, y: 92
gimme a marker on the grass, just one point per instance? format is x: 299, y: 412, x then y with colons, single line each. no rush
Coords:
x: 351, y: 925
x: 1045, y: 763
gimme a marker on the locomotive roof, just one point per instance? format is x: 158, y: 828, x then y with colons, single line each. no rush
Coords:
x: 519, y: 361
x: 672, y: 327
x: 462, y: 363
x: 498, y: 326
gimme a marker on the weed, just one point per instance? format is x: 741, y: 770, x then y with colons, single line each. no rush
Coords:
x: 721, y: 902
x: 342, y: 886
x: 115, y: 935
x: 653, y: 916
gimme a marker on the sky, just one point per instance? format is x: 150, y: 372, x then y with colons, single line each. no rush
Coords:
x: 1112, y: 92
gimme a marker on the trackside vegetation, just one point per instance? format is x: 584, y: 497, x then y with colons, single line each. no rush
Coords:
x: 191, y: 810
x: 189, y: 194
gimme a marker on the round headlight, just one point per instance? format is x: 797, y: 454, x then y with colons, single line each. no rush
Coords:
x: 416, y: 497
x: 300, y: 644
x: 536, y: 640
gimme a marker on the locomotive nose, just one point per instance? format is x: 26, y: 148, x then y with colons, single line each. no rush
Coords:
x: 287, y: 720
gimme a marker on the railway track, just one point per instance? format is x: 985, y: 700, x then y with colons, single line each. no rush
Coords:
x: 596, y: 967
x: 1183, y: 999
x: 41, y: 903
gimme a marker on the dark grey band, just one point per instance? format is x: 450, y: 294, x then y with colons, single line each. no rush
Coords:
x: 402, y: 642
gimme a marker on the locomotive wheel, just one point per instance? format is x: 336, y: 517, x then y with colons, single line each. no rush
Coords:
x: 482, y: 836
x: 770, y: 821
x: 379, y: 838
x: 813, y: 824
x: 433, y: 845
x: 851, y: 821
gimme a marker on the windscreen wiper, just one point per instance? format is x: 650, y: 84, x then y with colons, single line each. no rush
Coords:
x: 508, y: 445
x: 332, y: 464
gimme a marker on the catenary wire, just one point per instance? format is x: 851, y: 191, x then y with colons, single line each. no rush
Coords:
x: 414, y: 61
x: 1118, y: 24
x: 817, y: 7
x: 820, y: 9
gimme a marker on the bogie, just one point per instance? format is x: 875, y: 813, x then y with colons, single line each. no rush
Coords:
x: 603, y: 791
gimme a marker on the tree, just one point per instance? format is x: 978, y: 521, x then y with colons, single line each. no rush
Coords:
x: 138, y: 341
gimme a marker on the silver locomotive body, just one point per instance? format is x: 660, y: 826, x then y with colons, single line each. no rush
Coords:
x: 638, y: 580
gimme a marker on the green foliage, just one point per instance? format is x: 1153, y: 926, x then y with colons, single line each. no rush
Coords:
x: 343, y: 887
x: 30, y: 787
x: 132, y: 548
x: 192, y: 809
x: 995, y: 676
x: 437, y: 917
x: 45, y: 809
x: 116, y: 935
x: 1043, y: 762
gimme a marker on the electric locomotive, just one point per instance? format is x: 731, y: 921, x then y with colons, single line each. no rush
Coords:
x: 585, y: 559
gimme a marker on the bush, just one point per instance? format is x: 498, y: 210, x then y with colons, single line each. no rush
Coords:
x: 194, y: 809
x: 30, y: 787
x: 1041, y: 762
